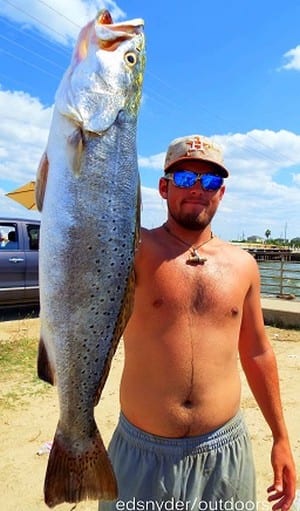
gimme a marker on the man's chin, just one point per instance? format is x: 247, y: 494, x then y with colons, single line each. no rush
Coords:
x: 192, y: 223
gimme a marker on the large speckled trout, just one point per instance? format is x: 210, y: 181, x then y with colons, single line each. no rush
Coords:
x: 88, y: 190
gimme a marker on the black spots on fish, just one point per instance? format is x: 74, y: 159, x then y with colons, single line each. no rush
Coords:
x: 106, y: 313
x: 93, y: 328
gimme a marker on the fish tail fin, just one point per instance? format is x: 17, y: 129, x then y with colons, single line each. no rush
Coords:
x: 76, y: 473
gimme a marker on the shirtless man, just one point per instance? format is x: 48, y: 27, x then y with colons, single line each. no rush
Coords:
x: 181, y: 440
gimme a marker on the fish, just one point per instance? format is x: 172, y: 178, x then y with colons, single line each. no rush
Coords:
x: 88, y: 192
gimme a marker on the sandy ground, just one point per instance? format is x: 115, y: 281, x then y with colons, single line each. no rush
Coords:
x: 24, y: 430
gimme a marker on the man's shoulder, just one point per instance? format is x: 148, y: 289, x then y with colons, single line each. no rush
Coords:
x: 150, y: 234
x: 238, y: 253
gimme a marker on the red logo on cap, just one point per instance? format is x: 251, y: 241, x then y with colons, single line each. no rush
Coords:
x: 195, y: 145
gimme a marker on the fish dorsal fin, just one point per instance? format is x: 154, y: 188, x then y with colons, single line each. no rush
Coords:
x: 41, y: 181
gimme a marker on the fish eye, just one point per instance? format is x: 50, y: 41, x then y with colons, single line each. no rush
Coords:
x: 130, y: 58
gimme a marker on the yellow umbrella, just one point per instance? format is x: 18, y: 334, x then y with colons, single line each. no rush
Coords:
x: 24, y: 195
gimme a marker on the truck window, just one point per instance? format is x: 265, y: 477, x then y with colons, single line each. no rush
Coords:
x: 33, y: 232
x: 8, y: 237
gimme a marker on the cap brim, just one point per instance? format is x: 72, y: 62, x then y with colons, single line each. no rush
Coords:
x: 221, y: 170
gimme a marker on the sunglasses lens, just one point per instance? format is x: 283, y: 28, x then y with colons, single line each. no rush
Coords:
x: 184, y: 179
x: 211, y: 182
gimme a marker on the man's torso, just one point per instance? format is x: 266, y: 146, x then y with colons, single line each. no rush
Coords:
x: 181, y: 344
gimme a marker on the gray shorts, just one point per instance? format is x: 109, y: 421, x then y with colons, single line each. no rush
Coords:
x: 199, y: 473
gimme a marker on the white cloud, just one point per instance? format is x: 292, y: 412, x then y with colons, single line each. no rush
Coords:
x: 296, y: 179
x: 293, y: 59
x: 154, y: 208
x: 60, y: 21
x: 23, y: 135
x: 155, y: 161
x: 262, y: 192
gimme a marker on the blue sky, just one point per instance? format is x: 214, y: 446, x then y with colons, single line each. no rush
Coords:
x: 228, y: 70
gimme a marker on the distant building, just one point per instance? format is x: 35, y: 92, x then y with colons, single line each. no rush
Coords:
x: 255, y: 239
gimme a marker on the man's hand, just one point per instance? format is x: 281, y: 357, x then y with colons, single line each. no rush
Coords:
x: 283, y: 489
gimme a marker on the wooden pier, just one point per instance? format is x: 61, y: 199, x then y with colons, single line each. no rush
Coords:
x: 269, y: 252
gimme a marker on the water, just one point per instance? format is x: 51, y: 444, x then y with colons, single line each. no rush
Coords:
x: 279, y: 277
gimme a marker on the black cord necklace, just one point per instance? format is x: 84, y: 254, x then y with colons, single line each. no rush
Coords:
x: 194, y: 256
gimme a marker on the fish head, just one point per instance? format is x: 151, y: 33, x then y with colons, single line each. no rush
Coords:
x: 105, y: 75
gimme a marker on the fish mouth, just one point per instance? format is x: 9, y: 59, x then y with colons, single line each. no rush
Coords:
x: 111, y: 34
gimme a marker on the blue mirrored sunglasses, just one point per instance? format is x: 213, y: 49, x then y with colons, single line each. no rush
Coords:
x: 187, y: 179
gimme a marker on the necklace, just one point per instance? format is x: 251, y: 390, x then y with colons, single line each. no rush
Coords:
x: 194, y: 256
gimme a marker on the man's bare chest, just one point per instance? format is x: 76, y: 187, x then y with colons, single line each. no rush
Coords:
x: 203, y: 289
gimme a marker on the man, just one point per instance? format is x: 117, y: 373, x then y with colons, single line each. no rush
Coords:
x: 181, y: 439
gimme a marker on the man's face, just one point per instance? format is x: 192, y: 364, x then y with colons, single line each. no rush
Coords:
x: 192, y: 208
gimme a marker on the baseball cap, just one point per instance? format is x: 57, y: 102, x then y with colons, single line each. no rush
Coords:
x: 194, y: 147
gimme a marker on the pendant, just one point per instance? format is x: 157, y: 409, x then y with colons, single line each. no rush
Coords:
x: 195, y: 258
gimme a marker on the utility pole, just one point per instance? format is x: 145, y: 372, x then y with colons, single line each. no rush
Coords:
x: 285, y: 231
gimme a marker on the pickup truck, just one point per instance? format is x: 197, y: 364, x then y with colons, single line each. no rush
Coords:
x: 19, y: 246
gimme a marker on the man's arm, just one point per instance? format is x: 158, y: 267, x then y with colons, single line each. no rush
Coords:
x: 259, y: 364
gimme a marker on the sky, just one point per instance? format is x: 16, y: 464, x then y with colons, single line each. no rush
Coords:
x: 228, y: 70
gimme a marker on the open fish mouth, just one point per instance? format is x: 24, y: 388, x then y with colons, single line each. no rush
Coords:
x: 110, y: 35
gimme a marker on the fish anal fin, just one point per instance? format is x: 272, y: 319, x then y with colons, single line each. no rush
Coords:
x: 41, y: 181
x: 44, y: 367
x: 78, y: 474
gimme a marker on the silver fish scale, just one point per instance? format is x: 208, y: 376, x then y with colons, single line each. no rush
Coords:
x: 93, y: 254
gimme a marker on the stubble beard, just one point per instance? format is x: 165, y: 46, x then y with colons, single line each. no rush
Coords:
x: 190, y: 221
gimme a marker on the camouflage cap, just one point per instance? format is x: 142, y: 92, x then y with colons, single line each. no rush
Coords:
x: 194, y: 147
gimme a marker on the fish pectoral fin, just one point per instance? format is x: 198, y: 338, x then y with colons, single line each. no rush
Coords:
x: 76, y: 146
x: 41, y: 181
x: 44, y: 367
x: 79, y: 470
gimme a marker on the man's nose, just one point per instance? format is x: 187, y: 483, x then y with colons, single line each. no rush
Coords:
x: 196, y: 189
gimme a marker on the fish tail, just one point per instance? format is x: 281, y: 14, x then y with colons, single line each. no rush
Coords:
x: 78, y: 474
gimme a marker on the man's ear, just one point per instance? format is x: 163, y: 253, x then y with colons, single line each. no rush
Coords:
x: 163, y: 187
x: 222, y: 191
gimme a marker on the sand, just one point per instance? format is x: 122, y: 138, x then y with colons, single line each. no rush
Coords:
x: 24, y: 430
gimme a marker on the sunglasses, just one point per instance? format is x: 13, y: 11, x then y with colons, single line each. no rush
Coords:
x: 187, y: 179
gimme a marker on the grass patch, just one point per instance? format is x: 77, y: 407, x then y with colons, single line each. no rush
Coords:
x: 18, y: 376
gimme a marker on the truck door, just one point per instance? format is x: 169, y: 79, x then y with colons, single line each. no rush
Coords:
x: 32, y: 236
x: 12, y: 264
